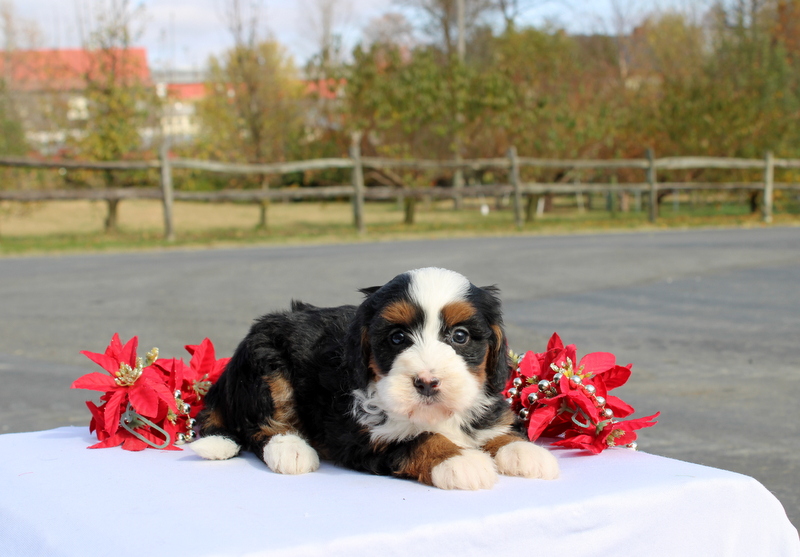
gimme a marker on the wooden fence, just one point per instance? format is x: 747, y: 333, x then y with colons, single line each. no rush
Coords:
x: 358, y: 193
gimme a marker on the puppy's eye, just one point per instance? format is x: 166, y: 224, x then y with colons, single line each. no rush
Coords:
x: 460, y: 336
x: 397, y: 338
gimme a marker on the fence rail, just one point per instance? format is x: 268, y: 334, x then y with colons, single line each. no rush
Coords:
x: 357, y: 191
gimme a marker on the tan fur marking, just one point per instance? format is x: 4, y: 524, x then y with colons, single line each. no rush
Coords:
x: 214, y: 420
x: 498, y: 333
x: 494, y: 445
x: 480, y: 371
x: 457, y: 312
x: 400, y: 312
x: 375, y: 371
x: 284, y: 418
x: 434, y: 450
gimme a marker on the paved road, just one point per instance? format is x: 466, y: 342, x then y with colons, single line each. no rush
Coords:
x: 710, y: 319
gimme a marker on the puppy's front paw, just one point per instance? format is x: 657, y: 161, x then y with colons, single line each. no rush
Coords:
x: 472, y: 469
x: 290, y: 454
x: 215, y: 447
x: 522, y: 458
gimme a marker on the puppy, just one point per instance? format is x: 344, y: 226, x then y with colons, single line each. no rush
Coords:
x: 406, y: 384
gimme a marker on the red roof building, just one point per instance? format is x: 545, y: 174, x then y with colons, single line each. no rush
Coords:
x: 70, y: 69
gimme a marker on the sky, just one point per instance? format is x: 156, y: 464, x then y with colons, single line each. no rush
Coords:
x: 184, y: 33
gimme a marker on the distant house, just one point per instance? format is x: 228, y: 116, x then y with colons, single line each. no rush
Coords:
x: 179, y: 91
x: 48, y: 87
x: 49, y: 92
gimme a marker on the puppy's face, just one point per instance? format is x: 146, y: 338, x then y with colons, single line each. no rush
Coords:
x: 433, y: 338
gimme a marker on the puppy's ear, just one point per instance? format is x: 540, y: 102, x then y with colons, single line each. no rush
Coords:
x: 359, y: 348
x: 369, y: 290
x: 498, y: 369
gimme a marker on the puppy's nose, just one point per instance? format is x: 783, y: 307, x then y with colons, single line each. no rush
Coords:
x: 426, y: 387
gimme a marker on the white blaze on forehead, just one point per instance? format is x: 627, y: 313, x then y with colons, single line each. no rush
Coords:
x: 432, y: 289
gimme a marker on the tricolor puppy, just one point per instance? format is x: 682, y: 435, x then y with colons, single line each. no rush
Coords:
x: 406, y: 384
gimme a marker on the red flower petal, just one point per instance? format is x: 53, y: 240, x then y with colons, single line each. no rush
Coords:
x: 597, y: 362
x: 114, y: 348
x: 203, y: 357
x: 108, y: 363
x: 128, y: 353
x: 219, y: 367
x: 113, y: 410
x: 111, y: 441
x: 95, y: 382
x: 555, y: 343
x: 616, y: 376
x: 539, y: 420
x: 586, y: 442
x: 134, y: 444
x: 620, y: 408
x: 639, y: 423
x: 143, y: 399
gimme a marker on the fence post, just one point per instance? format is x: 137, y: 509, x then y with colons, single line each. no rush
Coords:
x: 166, y: 191
x: 358, y: 184
x: 769, y: 186
x: 514, y: 176
x: 651, y: 180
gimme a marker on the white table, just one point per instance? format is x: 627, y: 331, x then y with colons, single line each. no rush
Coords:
x: 58, y: 498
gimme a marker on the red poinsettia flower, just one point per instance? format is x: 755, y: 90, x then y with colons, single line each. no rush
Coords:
x: 131, y: 383
x: 556, y: 395
x: 128, y: 381
x: 148, y: 403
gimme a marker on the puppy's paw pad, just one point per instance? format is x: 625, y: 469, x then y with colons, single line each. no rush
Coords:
x: 472, y: 469
x: 215, y: 447
x: 522, y: 458
x: 290, y: 454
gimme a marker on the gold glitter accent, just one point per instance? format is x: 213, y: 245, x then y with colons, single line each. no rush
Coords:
x: 127, y: 375
x: 151, y: 356
x: 201, y: 387
x: 568, y: 371
x: 611, y: 440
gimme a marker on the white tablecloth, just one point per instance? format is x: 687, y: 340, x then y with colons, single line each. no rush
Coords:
x: 59, y: 498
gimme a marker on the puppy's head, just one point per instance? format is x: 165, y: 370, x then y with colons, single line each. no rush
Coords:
x: 432, y: 345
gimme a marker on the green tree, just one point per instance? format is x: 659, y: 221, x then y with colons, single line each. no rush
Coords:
x: 253, y: 112
x: 12, y: 134
x: 119, y: 101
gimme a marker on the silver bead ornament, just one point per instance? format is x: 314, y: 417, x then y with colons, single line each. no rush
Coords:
x: 576, y: 379
x: 524, y: 413
x: 590, y: 389
x: 557, y: 377
x: 600, y: 400
x: 533, y: 397
x: 177, y: 394
x: 517, y: 382
x: 608, y: 413
x: 186, y: 408
x: 512, y: 392
x: 190, y: 435
x: 180, y: 439
x: 510, y: 401
x: 544, y: 384
x: 191, y: 422
x: 633, y: 446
